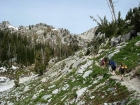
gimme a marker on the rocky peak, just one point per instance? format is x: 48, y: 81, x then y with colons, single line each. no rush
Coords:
x: 88, y: 35
x: 47, y: 33
x: 6, y: 25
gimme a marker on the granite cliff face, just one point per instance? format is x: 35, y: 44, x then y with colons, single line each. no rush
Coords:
x: 6, y: 25
x: 89, y: 34
x: 48, y: 34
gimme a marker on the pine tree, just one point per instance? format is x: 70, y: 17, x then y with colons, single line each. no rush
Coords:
x: 39, y: 66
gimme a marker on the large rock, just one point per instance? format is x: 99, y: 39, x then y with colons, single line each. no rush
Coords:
x: 40, y: 32
x: 125, y: 37
x: 100, y: 51
x: 115, y: 40
x: 44, y: 80
x: 26, y: 88
x: 89, y: 35
x: 3, y: 79
x: 137, y: 43
x: 5, y: 24
x: 133, y: 34
x: 138, y: 33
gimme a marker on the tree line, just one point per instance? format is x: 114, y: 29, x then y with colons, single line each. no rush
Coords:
x: 119, y: 26
x: 22, y: 50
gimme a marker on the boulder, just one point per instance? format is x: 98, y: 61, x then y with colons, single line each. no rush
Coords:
x: 138, y: 33
x: 5, y: 24
x: 115, y: 40
x: 26, y: 88
x: 137, y: 43
x: 125, y: 37
x: 133, y: 34
x: 44, y: 80
x: 100, y: 51
x: 3, y: 79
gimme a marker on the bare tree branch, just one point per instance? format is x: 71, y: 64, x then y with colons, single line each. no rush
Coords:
x: 95, y: 20
x: 101, y: 20
x: 110, y: 10
x: 112, y: 7
x: 115, y: 1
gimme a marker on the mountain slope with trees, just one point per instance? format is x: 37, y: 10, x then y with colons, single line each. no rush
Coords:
x: 68, y: 66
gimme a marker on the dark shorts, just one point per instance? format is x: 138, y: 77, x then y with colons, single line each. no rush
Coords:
x: 122, y: 71
x: 113, y: 68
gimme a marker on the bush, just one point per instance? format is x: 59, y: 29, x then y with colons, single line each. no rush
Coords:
x: 88, y: 52
x: 128, y: 55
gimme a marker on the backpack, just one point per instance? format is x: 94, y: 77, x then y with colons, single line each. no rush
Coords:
x: 124, y: 67
x: 112, y: 63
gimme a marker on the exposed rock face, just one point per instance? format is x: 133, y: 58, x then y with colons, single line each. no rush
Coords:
x: 125, y: 37
x: 101, y: 50
x: 4, y: 25
x: 21, y: 28
x: 116, y: 40
x: 137, y: 43
x: 47, y: 34
x: 133, y: 34
x: 88, y: 35
x: 138, y: 33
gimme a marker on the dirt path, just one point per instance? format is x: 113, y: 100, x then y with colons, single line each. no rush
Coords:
x: 131, y: 84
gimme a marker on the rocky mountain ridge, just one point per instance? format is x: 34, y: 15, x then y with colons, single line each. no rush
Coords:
x: 46, y: 33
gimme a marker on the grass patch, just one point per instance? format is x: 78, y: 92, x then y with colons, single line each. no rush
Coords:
x: 128, y: 55
x: 135, y: 102
x: 109, y: 92
x: 83, y: 63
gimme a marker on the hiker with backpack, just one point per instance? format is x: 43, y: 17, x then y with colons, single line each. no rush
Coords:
x: 113, y: 66
x: 122, y: 70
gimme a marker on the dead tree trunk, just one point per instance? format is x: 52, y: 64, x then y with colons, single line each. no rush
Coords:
x: 111, y: 7
x: 110, y: 10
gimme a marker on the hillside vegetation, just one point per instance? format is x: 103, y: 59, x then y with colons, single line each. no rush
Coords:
x: 76, y: 77
x: 80, y: 81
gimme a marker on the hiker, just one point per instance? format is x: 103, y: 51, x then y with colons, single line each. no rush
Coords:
x: 113, y: 66
x: 122, y: 70
x: 103, y: 63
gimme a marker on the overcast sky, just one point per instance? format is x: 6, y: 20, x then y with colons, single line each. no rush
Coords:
x: 70, y: 14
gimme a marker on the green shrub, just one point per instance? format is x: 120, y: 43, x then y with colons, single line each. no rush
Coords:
x: 128, y: 55
x: 134, y: 102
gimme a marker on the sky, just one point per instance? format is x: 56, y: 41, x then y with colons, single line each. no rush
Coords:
x: 73, y: 15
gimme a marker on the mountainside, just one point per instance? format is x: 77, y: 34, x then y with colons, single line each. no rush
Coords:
x: 89, y: 35
x: 79, y: 79
x: 45, y: 33
x: 6, y: 25
x: 42, y: 65
x: 21, y: 46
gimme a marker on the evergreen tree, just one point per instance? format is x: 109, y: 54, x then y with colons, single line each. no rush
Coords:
x: 39, y: 66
